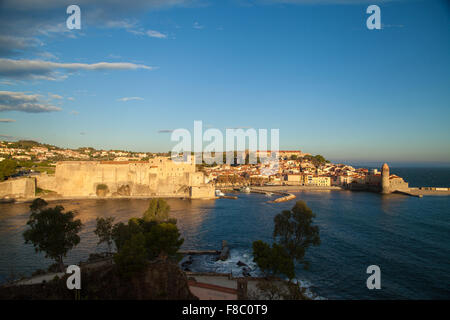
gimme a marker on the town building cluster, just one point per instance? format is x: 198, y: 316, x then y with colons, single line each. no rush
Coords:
x: 297, y: 168
x: 293, y: 167
x: 38, y: 153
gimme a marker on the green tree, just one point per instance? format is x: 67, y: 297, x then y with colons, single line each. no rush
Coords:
x: 53, y: 231
x: 163, y: 239
x: 122, y: 232
x: 132, y: 258
x: 271, y: 290
x: 317, y: 160
x: 27, y: 144
x: 293, y: 234
x: 273, y: 260
x: 161, y: 234
x: 104, y: 231
x: 38, y: 204
x: 294, y: 231
x: 7, y: 168
x: 158, y: 210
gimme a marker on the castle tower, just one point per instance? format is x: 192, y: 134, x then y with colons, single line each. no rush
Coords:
x: 385, y: 184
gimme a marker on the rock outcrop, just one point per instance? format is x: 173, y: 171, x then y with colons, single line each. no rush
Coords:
x: 161, y: 280
x: 225, y: 252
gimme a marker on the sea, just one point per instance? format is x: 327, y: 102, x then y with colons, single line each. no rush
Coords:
x: 408, y: 238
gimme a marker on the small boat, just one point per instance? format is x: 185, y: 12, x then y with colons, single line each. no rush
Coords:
x: 219, y: 193
x: 245, y: 189
x: 269, y: 194
x: 229, y: 197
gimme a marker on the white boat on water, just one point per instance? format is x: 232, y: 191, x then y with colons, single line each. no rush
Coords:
x: 219, y: 193
x: 269, y: 194
x: 245, y: 189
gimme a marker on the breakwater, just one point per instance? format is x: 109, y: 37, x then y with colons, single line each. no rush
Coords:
x: 285, y: 196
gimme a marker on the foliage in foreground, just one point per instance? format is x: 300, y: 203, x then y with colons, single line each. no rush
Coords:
x: 132, y: 257
x: 158, y: 210
x: 52, y: 231
x: 293, y: 234
x: 104, y: 231
x: 294, y: 231
x: 273, y: 259
x: 147, y: 238
x: 270, y: 289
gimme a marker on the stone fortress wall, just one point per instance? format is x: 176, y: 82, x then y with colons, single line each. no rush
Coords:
x: 158, y: 177
x: 18, y: 188
x: 46, y: 181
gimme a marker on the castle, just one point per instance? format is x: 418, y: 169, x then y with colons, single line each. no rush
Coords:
x: 158, y: 177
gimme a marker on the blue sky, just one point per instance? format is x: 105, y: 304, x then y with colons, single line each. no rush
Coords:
x: 313, y: 70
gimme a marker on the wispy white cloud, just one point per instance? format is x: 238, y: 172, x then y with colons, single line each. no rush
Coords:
x: 106, y: 6
x: 149, y: 33
x: 133, y: 27
x: 28, y: 23
x: 55, y: 96
x: 21, y: 101
x: 7, y: 120
x: 10, y: 45
x: 125, y: 99
x: 47, y: 55
x: 122, y: 24
x: 71, y: 98
x: 57, y: 29
x: 73, y: 112
x: 47, y: 70
x: 114, y: 56
x: 7, y: 83
x: 156, y: 34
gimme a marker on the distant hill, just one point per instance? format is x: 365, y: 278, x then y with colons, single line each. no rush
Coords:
x: 27, y: 144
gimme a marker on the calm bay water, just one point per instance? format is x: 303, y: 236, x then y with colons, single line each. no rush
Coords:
x: 409, y: 238
x: 424, y: 177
